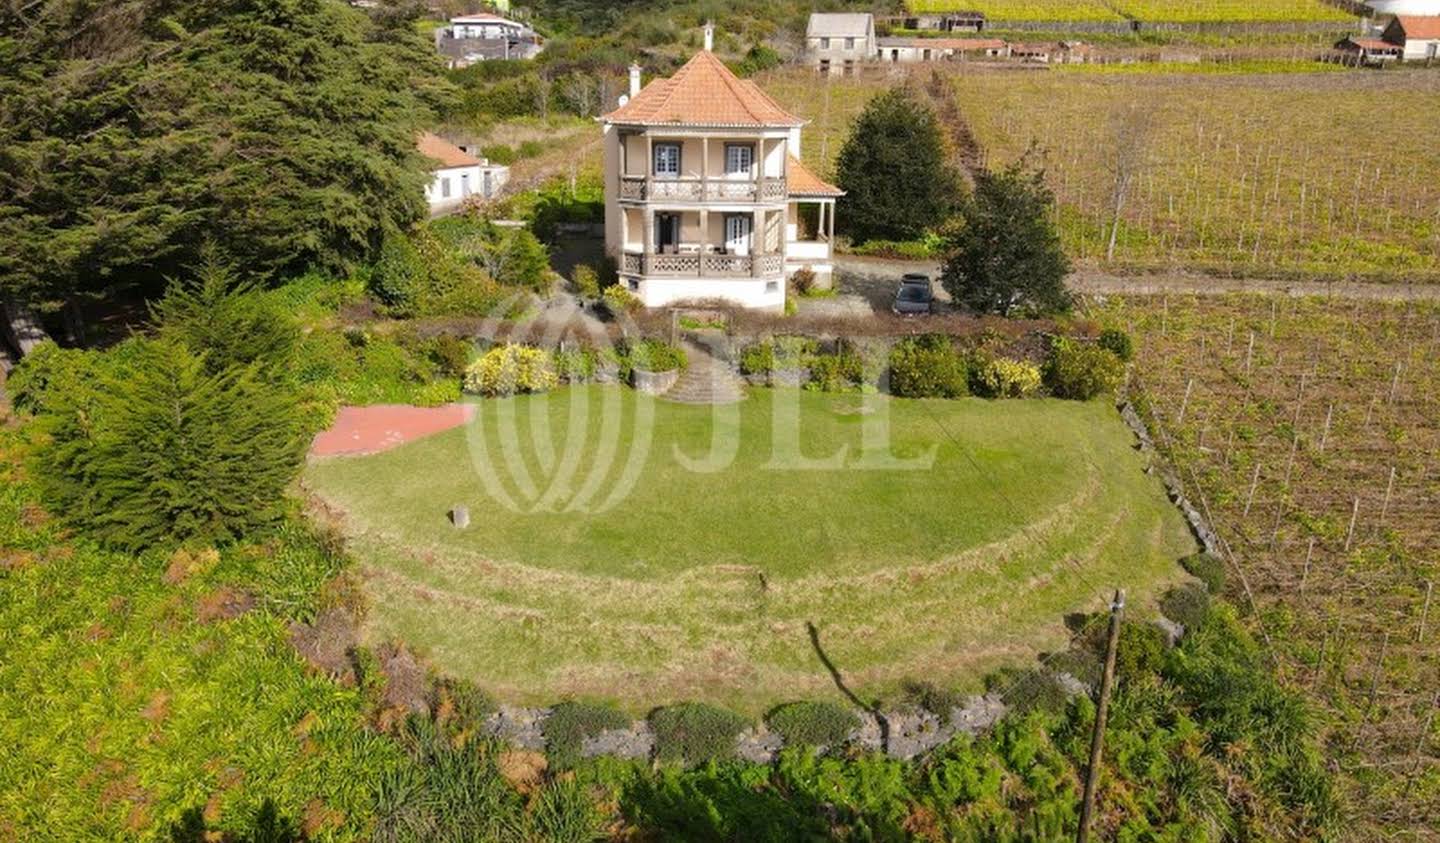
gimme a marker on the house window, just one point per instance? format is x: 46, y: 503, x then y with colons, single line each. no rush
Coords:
x: 738, y: 159
x: 444, y: 188
x: 667, y: 159
x: 824, y: 43
x: 849, y: 43
x: 825, y: 66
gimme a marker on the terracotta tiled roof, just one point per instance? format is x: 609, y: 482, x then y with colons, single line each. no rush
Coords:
x: 444, y: 152
x: 703, y: 93
x: 1369, y: 44
x: 1422, y: 28
x: 802, y: 182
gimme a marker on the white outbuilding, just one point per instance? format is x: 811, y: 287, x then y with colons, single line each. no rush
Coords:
x: 458, y: 175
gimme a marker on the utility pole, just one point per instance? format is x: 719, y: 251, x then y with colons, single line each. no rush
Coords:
x: 1092, y: 773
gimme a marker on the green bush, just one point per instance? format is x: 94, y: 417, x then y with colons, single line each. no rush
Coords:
x: 927, y: 367
x: 499, y: 153
x: 450, y: 354
x: 459, y: 707
x: 574, y: 365
x: 49, y: 373
x: 570, y: 723
x: 757, y: 358
x: 1082, y: 371
x: 813, y: 723
x: 228, y: 321
x: 1118, y: 343
x: 510, y: 255
x: 652, y: 355
x: 1187, y: 604
x: 693, y: 733
x: 802, y: 281
x: 423, y: 274
x: 619, y: 300
x: 999, y: 377
x: 508, y: 369
x: 931, y: 697
x: 1207, y: 568
x: 436, y: 393
x: 531, y: 149
x: 587, y: 281
x: 843, y: 371
x: 149, y: 448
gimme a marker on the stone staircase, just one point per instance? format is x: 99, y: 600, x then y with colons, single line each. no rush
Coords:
x: 707, y: 380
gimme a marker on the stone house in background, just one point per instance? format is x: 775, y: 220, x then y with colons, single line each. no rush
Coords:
x: 705, y: 194
x: 839, y: 42
x: 905, y: 50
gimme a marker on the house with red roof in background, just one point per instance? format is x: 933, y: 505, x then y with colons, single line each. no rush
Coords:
x: 457, y: 175
x: 1419, y: 37
x: 705, y: 193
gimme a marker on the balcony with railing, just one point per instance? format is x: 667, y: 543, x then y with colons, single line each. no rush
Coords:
x: 699, y: 189
x: 695, y: 264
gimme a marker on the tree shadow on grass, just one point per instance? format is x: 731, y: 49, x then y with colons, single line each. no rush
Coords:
x: 871, y: 707
x: 267, y: 826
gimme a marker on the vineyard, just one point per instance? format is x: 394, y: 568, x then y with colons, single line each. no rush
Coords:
x: 1176, y: 11
x: 1309, y: 431
x: 1262, y: 174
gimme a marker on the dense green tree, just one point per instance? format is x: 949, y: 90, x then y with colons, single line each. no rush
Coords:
x: 1005, y: 256
x: 895, y: 171
x: 131, y: 131
x: 227, y: 320
x: 148, y: 447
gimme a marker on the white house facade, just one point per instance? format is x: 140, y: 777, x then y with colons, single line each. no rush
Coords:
x: 705, y: 195
x: 458, y: 175
x: 1418, y: 37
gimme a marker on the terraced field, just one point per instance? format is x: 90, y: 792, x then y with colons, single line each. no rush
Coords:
x: 699, y: 583
x: 1173, y: 11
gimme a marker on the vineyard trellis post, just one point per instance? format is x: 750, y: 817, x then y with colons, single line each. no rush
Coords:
x: 1425, y: 611
x: 1350, y: 534
x: 1092, y: 772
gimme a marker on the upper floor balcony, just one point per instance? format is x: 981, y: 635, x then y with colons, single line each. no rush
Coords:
x: 672, y: 167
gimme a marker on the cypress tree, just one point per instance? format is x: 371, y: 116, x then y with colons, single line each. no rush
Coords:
x: 895, y: 171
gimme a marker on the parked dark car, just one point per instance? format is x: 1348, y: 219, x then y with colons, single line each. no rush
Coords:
x: 915, y: 295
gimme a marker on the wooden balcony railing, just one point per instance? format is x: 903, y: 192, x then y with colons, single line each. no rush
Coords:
x: 695, y: 189
x: 702, y: 265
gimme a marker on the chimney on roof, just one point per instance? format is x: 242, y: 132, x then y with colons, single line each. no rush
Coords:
x: 709, y: 36
x: 634, y: 79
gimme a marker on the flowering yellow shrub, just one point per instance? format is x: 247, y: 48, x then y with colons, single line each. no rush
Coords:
x: 510, y: 368
x: 1003, y: 378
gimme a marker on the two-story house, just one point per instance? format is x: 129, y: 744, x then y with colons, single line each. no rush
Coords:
x: 485, y: 37
x: 705, y: 195
x: 839, y: 42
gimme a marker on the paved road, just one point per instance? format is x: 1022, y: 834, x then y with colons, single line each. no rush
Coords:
x: 874, y: 280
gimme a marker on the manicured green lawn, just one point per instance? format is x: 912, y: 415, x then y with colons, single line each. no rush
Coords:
x: 699, y: 584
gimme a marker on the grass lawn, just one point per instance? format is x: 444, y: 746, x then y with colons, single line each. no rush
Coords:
x: 699, y: 584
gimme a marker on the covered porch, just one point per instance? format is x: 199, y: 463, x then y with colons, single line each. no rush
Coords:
x: 706, y: 242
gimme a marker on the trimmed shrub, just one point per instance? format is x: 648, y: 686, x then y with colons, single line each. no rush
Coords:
x: 693, y: 733
x: 1187, y: 605
x: 619, y: 300
x: 1000, y: 377
x: 813, y: 723
x: 587, y: 281
x: 656, y: 356
x: 1118, y: 342
x: 510, y: 368
x: 1207, y: 568
x: 927, y: 367
x: 570, y: 723
x: 1082, y: 371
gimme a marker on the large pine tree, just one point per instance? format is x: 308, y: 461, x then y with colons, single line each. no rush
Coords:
x: 132, y: 131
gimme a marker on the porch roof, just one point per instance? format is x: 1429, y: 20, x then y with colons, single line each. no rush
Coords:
x: 804, y: 183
